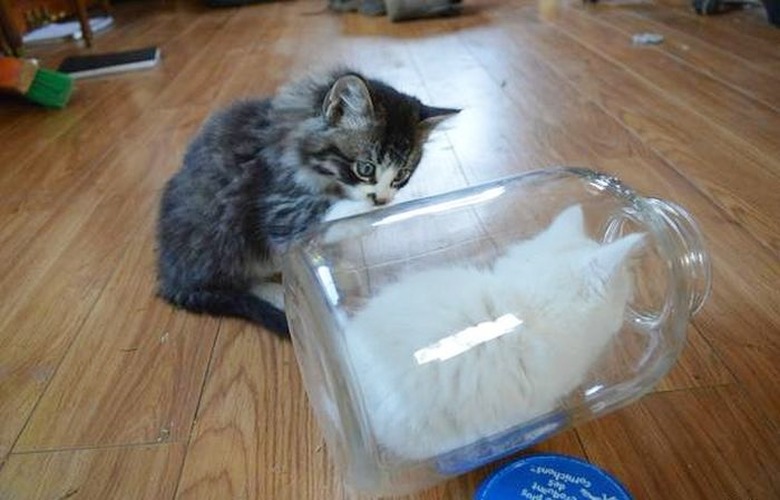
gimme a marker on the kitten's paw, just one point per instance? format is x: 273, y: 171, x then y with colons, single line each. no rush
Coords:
x: 347, y: 229
x: 347, y: 208
x: 270, y: 292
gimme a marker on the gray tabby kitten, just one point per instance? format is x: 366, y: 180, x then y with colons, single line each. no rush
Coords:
x: 262, y: 172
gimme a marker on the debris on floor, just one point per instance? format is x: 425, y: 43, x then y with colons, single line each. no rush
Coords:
x: 647, y: 39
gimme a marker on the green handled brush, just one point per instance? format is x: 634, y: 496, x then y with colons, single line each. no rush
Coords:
x: 42, y: 86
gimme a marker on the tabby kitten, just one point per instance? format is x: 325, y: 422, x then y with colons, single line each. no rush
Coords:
x: 262, y: 172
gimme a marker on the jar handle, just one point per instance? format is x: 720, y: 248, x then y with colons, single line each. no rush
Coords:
x: 694, y: 260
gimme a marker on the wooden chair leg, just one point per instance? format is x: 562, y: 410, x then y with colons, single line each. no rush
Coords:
x: 81, y: 12
x: 10, y: 37
x: 5, y: 46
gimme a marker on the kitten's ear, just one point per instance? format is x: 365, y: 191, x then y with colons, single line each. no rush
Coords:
x: 568, y: 225
x: 430, y: 116
x: 348, y: 103
x: 602, y: 263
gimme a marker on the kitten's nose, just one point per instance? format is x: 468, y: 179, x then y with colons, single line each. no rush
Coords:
x: 377, y: 200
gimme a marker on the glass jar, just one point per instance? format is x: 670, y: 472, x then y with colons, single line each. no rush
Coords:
x: 441, y: 334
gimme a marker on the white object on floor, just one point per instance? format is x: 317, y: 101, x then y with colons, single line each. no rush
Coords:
x: 647, y: 39
x: 67, y: 30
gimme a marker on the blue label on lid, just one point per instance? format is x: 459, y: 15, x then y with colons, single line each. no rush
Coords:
x: 551, y: 477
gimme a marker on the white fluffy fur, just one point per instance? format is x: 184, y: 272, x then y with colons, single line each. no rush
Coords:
x: 570, y: 293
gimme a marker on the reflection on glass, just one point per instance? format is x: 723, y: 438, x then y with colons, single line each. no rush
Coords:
x: 327, y: 284
x: 460, y: 342
x: 593, y: 390
x: 443, y: 206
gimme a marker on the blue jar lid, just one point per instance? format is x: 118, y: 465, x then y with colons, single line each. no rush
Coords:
x: 551, y: 477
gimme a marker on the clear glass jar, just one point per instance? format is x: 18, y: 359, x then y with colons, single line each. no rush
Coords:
x: 441, y: 334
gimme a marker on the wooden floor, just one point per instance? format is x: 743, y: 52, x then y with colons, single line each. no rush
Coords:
x: 107, y: 393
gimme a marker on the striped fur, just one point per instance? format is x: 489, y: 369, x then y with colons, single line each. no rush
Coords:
x: 262, y: 172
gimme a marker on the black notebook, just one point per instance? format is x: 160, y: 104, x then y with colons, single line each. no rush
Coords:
x: 114, y: 62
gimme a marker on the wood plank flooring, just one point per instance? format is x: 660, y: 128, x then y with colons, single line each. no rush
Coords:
x: 108, y: 393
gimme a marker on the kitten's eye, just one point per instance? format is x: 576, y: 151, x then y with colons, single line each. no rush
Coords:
x: 364, y: 169
x: 402, y: 175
